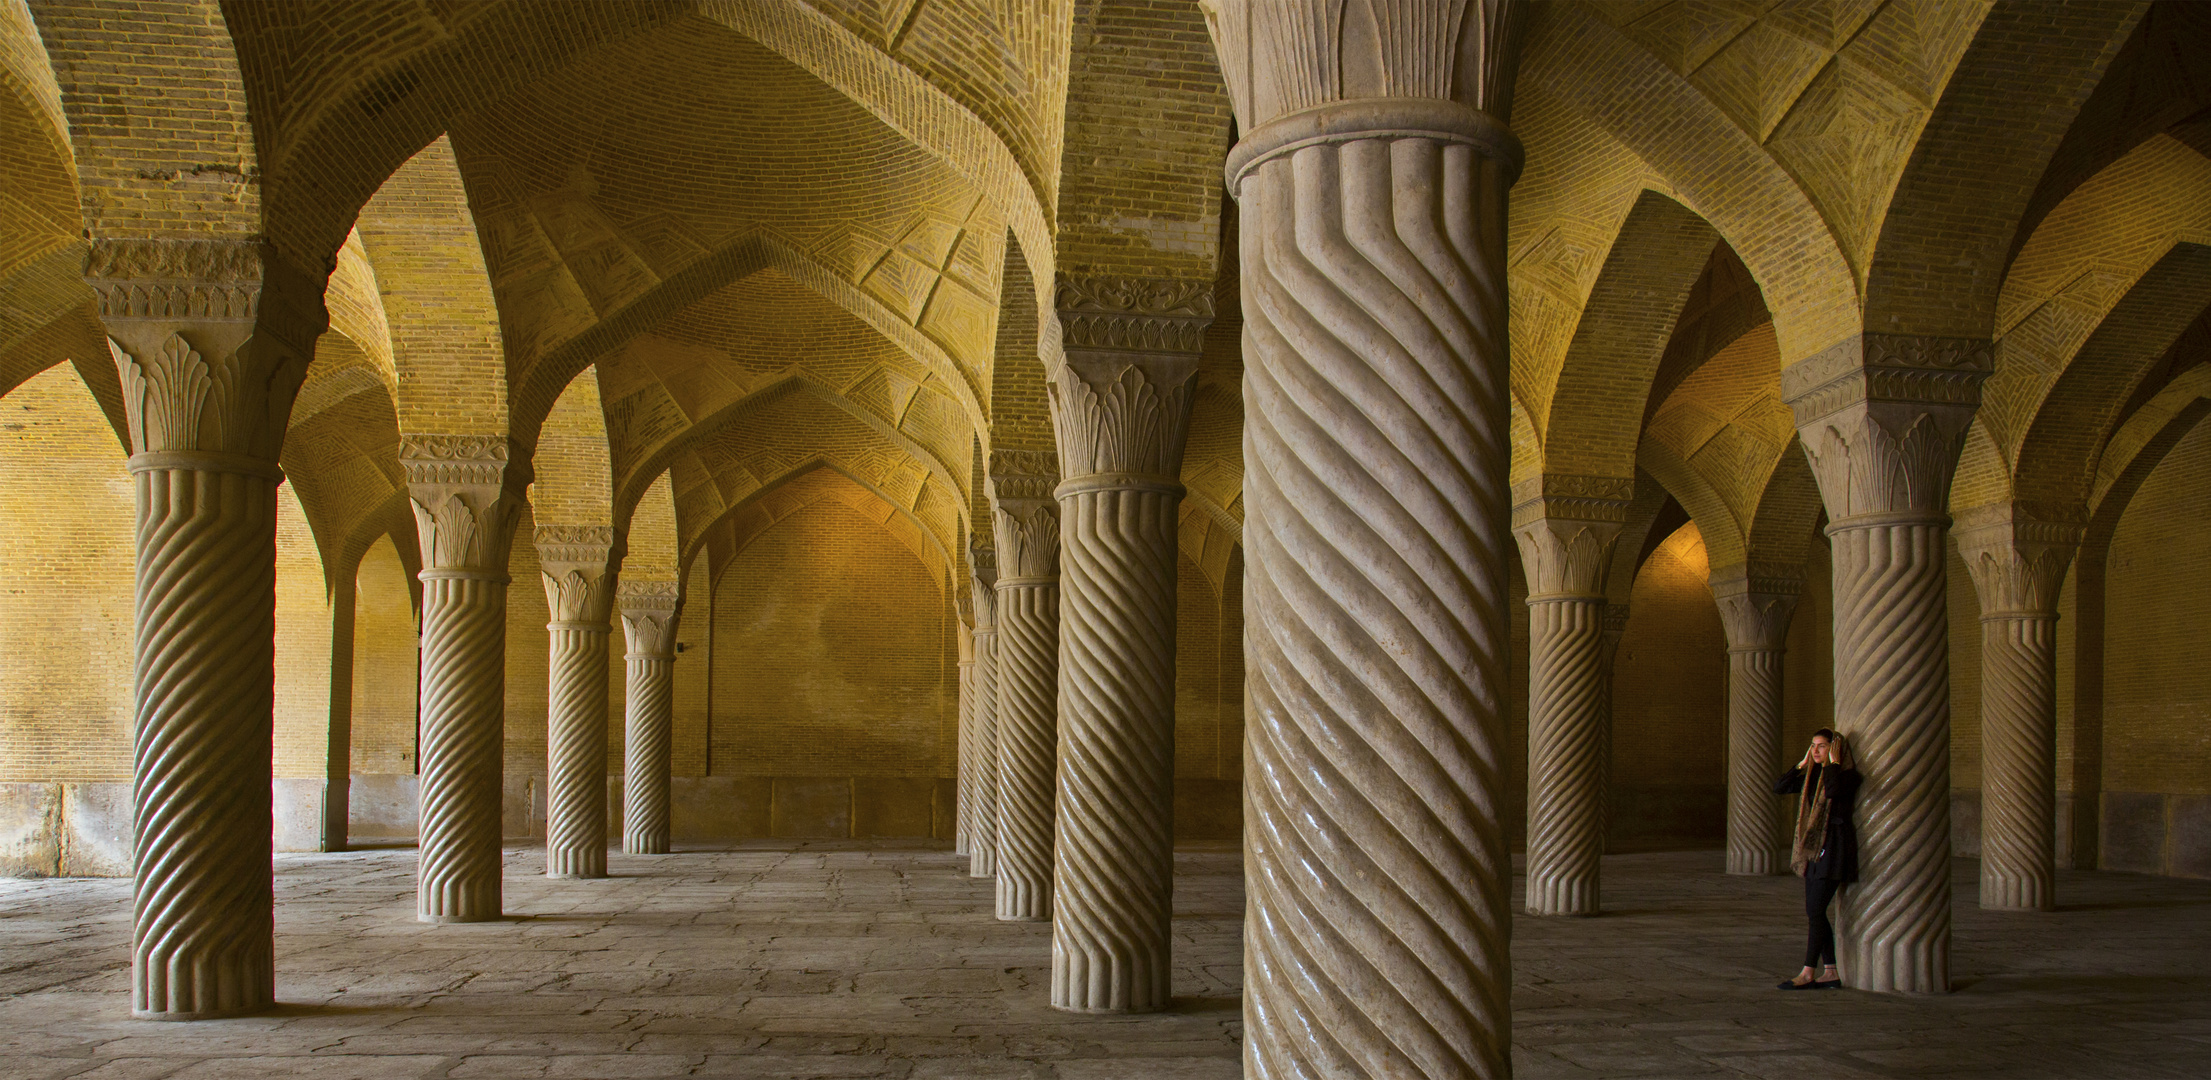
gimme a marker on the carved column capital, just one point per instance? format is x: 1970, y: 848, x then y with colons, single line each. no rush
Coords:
x: 1025, y: 515
x: 1566, y: 527
x: 1883, y: 418
x: 466, y: 499
x: 1756, y: 602
x: 211, y: 339
x: 1121, y: 399
x: 649, y: 612
x: 2018, y: 555
x: 579, y: 564
x: 1281, y: 58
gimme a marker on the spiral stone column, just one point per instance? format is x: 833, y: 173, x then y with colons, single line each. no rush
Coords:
x: 466, y: 497
x: 979, y: 781
x: 963, y: 634
x: 1026, y: 522
x: 1566, y: 527
x: 211, y: 340
x: 1756, y: 603
x: 650, y: 610
x: 579, y: 564
x: 2018, y: 560
x: 1883, y: 418
x: 1121, y: 408
x: 1375, y: 390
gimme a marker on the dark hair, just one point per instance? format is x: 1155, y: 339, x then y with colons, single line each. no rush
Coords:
x: 1826, y: 733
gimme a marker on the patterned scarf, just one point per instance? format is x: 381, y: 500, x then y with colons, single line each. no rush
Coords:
x: 1812, y: 806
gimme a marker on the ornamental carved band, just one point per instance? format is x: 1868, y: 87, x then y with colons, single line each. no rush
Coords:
x: 2018, y: 559
x: 465, y: 513
x: 1882, y: 418
x: 649, y: 619
x: 1375, y: 437
x: 1756, y: 603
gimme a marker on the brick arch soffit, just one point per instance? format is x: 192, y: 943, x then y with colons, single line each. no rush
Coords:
x: 724, y: 521
x: 1598, y: 400
x: 392, y: 519
x: 912, y: 105
x: 631, y: 482
x: 1706, y: 161
x: 1952, y: 219
x: 2081, y: 325
x: 1216, y: 519
x: 2159, y: 81
x: 580, y: 492
x: 330, y: 127
x: 42, y: 232
x: 1723, y: 533
x: 2142, y: 460
x: 537, y: 389
x: 1648, y: 510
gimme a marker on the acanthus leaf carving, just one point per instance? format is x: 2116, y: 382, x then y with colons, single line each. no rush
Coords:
x: 1757, y: 602
x: 1566, y: 558
x: 1886, y: 458
x: 2018, y: 555
x: 465, y: 510
x: 650, y: 613
x: 1119, y: 416
x: 578, y: 563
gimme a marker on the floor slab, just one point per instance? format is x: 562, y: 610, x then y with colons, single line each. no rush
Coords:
x: 800, y: 960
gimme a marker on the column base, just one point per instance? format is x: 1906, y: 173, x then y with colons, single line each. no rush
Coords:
x: 644, y: 847
x: 1763, y: 864
x: 216, y: 1014
x: 2021, y: 896
x: 442, y: 920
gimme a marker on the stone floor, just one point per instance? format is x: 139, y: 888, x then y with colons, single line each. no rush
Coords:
x: 837, y: 961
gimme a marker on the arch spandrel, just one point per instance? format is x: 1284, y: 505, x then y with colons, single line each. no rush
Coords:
x: 2143, y: 425
x: 343, y: 95
x: 41, y: 223
x: 726, y: 536
x: 1708, y: 507
x: 573, y: 480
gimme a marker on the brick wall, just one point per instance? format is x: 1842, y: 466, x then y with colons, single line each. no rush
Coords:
x: 385, y: 665
x: 302, y: 645
x: 65, y: 586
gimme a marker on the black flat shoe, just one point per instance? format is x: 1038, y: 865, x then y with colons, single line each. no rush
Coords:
x: 1826, y: 984
x: 1792, y: 985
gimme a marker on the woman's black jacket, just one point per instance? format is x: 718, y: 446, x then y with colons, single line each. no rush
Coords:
x: 1838, y: 857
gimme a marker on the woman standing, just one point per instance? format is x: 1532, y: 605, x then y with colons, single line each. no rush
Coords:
x: 1825, y: 853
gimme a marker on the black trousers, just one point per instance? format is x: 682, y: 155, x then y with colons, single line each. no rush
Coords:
x: 1818, y: 893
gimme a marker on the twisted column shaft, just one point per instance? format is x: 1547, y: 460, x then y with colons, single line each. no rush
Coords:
x: 575, y: 751
x: 649, y: 620
x: 1028, y: 670
x: 204, y: 907
x: 1375, y: 935
x: 464, y: 660
x: 1566, y: 754
x: 982, y: 833
x: 964, y: 801
x: 2019, y: 762
x: 649, y: 701
x: 1753, y: 746
x: 1113, y: 878
x: 1892, y: 697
